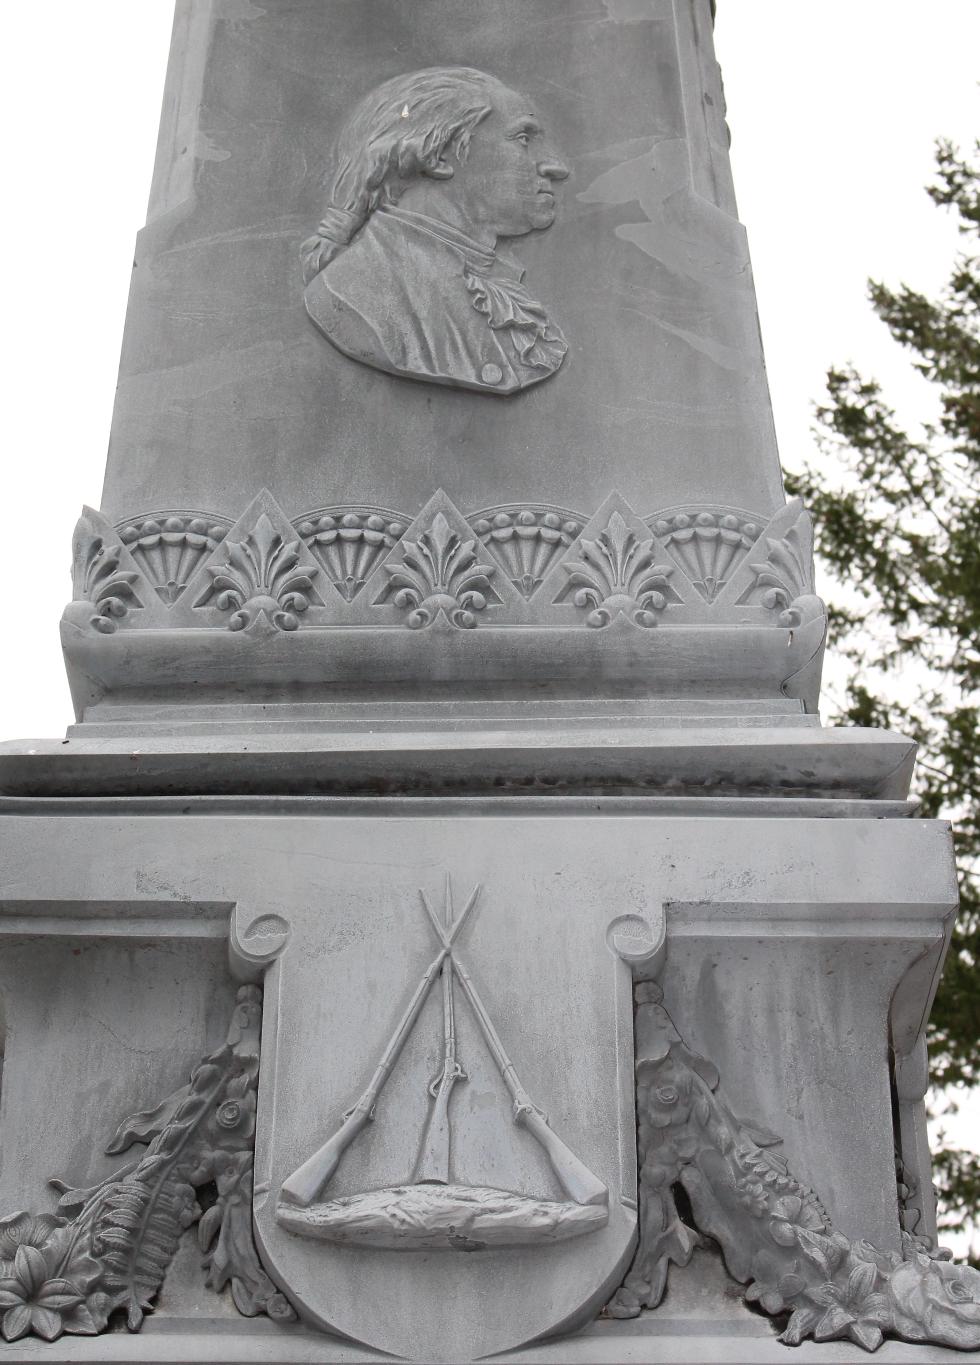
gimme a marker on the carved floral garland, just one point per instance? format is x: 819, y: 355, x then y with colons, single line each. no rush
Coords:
x: 775, y: 1235
x: 109, y: 1247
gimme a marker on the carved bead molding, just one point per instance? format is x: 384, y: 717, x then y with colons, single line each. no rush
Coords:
x: 348, y: 545
x: 707, y: 545
x: 527, y: 540
x: 169, y: 546
x: 108, y: 1249
x: 775, y: 1235
x: 515, y: 566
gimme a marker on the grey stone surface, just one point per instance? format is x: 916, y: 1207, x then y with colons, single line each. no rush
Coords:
x: 821, y: 943
x: 225, y: 385
x: 517, y: 601
x: 606, y: 1343
x: 605, y: 755
x: 360, y: 445
x: 443, y: 553
x: 435, y: 172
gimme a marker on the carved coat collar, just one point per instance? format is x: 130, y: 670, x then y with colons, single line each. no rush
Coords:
x: 495, y: 283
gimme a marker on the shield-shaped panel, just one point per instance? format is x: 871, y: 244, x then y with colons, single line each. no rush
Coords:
x: 445, y: 1154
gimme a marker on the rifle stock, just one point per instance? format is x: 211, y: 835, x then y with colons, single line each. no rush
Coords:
x: 306, y: 1182
x: 576, y: 1179
x: 303, y: 1186
x: 433, y: 1162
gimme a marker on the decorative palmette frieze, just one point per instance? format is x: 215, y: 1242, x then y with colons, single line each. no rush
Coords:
x: 103, y: 583
x: 775, y: 1235
x: 515, y: 566
x: 781, y: 565
x: 261, y: 581
x: 617, y: 574
x: 439, y: 574
x: 349, y: 544
x: 169, y: 547
x: 107, y: 1250
x: 527, y: 540
x: 707, y: 544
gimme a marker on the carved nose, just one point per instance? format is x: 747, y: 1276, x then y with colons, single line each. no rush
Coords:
x: 553, y: 170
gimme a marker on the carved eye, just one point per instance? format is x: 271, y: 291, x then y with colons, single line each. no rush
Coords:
x: 958, y: 1290
x: 523, y: 138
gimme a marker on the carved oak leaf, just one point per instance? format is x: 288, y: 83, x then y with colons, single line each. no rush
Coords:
x: 439, y: 574
x: 617, y: 575
x: 260, y: 581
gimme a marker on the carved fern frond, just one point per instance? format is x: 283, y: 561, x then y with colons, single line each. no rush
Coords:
x: 137, y: 1236
x: 140, y: 1220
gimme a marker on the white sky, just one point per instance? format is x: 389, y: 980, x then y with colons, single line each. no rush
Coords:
x: 833, y: 105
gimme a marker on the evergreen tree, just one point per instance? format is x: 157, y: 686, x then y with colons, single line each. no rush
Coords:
x: 897, y: 515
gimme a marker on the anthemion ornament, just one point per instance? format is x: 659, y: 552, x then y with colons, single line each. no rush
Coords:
x: 578, y: 975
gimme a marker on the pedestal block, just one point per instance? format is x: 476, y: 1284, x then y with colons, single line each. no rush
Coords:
x: 794, y: 951
x: 448, y: 932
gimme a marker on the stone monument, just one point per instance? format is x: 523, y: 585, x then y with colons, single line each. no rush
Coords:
x: 447, y: 931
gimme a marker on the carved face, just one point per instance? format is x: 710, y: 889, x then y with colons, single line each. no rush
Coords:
x: 506, y: 186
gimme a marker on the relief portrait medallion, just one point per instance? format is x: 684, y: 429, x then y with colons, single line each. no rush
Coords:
x: 408, y: 270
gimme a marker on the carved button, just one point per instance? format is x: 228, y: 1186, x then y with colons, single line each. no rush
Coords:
x: 491, y: 374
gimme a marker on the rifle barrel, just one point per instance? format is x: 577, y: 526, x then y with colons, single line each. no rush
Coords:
x: 578, y: 1182
x: 405, y: 1025
x: 504, y: 1064
x: 306, y: 1182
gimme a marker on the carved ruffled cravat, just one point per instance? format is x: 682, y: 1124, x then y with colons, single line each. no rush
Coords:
x: 496, y: 288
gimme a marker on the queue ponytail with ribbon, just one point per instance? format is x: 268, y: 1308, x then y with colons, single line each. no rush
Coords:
x: 401, y: 130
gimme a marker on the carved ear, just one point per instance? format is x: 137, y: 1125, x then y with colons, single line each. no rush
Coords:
x: 438, y: 169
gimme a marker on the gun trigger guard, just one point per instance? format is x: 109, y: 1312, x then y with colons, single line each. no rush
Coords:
x: 522, y: 1107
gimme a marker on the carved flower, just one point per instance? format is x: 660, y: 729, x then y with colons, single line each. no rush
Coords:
x: 230, y: 1170
x: 936, y: 1300
x: 31, y: 1301
x: 279, y: 1308
x: 792, y: 1212
x: 852, y: 1309
x: 659, y: 1171
x: 751, y: 1195
x: 664, y: 1094
x: 21, y: 1229
x: 233, y: 1122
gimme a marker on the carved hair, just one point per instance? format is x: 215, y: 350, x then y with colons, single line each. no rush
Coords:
x: 401, y: 130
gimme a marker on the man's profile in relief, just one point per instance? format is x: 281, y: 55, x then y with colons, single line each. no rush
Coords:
x: 433, y: 169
